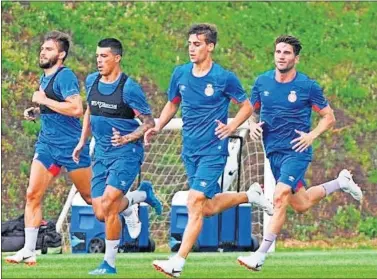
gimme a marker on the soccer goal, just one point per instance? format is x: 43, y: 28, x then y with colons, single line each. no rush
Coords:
x: 164, y: 168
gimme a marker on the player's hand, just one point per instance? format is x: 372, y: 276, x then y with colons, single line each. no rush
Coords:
x: 118, y: 140
x: 30, y: 113
x: 223, y: 131
x: 303, y: 141
x: 39, y: 97
x: 256, y: 130
x: 149, y: 134
x: 76, y: 152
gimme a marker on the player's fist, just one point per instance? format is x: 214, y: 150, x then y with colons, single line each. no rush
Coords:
x: 255, y: 130
x: 39, y: 97
x: 30, y: 113
x: 150, y: 133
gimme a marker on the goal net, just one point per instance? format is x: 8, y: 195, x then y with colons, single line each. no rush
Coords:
x: 164, y: 168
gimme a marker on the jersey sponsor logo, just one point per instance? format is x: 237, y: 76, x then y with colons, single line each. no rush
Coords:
x: 266, y: 93
x: 203, y: 183
x: 292, y: 97
x: 209, y: 90
x: 104, y: 105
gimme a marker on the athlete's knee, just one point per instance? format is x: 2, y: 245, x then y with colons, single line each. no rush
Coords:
x: 209, y: 209
x: 99, y: 215
x: 33, y: 197
x: 281, y: 198
x: 195, y: 206
x: 106, y: 204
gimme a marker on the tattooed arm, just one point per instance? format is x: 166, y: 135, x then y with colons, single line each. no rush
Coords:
x: 147, y: 123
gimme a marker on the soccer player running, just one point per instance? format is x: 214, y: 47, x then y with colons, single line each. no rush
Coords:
x: 205, y: 90
x: 114, y: 102
x: 60, y: 109
x: 286, y: 98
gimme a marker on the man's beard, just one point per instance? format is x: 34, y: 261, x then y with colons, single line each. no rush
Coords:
x: 49, y: 64
x: 285, y: 70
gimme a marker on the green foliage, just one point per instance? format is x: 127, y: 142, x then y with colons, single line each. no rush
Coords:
x: 347, y: 217
x: 31, y: 128
x: 372, y: 177
x: 368, y: 226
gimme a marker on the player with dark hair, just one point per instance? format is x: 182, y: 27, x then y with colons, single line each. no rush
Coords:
x: 286, y: 99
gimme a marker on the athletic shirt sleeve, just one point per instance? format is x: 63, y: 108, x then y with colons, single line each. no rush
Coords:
x: 174, y: 95
x: 134, y: 96
x: 234, y: 89
x: 67, y: 84
x: 255, y: 95
x: 317, y: 99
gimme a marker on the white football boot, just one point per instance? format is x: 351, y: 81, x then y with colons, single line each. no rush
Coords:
x: 24, y: 255
x: 132, y: 221
x: 256, y: 197
x: 348, y: 185
x: 254, y: 262
x: 168, y: 267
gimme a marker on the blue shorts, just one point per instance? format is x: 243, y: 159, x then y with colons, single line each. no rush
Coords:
x: 203, y: 172
x: 119, y: 173
x: 53, y: 157
x: 289, y: 168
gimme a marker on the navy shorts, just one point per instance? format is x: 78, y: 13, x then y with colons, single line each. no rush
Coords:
x: 53, y: 157
x: 289, y: 168
x: 203, y: 173
x: 119, y: 173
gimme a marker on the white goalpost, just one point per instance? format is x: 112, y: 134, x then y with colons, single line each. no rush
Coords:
x: 164, y: 168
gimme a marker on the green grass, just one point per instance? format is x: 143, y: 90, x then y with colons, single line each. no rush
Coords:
x: 304, y: 264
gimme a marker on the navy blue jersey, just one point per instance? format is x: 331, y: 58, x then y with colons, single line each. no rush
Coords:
x: 285, y: 107
x: 101, y: 126
x: 204, y: 100
x: 58, y: 129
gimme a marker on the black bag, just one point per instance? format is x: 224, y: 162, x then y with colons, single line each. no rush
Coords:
x: 13, y: 235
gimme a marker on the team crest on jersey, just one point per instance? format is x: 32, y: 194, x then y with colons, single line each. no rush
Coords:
x: 266, y: 93
x: 182, y: 88
x: 209, y: 90
x: 292, y: 97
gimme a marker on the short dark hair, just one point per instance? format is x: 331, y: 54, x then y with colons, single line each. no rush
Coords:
x: 206, y: 29
x: 62, y: 39
x: 114, y: 44
x: 293, y: 41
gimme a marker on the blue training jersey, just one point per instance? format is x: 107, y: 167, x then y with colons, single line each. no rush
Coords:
x: 204, y: 100
x: 285, y: 107
x: 58, y: 129
x: 133, y: 95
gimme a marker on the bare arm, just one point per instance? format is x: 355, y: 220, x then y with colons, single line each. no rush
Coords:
x: 166, y: 115
x: 306, y: 139
x: 223, y: 131
x: 168, y: 112
x: 85, y: 133
x: 86, y: 130
x: 326, y: 122
x: 72, y: 106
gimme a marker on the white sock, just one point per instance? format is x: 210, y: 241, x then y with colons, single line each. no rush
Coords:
x: 179, y: 260
x: 31, y: 235
x: 111, y: 251
x: 136, y: 197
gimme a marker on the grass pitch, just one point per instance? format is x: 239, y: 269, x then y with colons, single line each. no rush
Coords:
x: 304, y: 264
